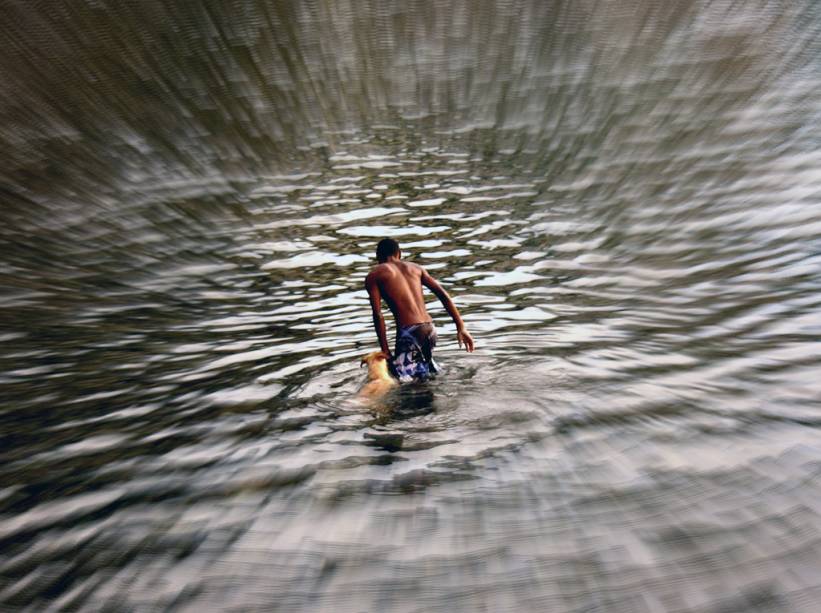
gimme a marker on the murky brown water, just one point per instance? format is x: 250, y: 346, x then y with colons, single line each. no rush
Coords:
x: 623, y: 198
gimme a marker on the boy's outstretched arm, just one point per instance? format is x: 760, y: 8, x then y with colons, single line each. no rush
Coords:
x: 462, y: 335
x: 375, y: 297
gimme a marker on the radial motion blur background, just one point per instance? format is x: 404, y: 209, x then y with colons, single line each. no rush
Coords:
x: 623, y: 196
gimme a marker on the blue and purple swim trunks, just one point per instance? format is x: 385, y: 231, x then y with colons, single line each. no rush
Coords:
x: 413, y: 354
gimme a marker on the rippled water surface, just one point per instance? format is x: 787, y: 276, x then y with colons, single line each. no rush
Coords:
x: 623, y: 200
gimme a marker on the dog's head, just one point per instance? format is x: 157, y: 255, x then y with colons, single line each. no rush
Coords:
x: 373, y: 358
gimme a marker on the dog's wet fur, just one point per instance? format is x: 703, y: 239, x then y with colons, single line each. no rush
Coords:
x: 380, y: 381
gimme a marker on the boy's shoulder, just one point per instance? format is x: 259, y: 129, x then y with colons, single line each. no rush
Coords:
x: 387, y: 270
x: 411, y: 266
x: 377, y: 272
x: 379, y: 268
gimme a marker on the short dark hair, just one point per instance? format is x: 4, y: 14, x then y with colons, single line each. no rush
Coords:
x: 386, y: 248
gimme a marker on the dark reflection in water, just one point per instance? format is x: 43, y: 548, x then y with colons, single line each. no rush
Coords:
x: 623, y: 197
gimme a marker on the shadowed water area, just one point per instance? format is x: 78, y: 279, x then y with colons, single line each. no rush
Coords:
x: 623, y: 200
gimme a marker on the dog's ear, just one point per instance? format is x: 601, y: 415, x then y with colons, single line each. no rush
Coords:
x: 363, y: 361
x: 384, y: 356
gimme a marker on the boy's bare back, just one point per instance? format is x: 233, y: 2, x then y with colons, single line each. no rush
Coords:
x: 400, y: 283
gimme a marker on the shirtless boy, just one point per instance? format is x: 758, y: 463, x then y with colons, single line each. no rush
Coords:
x: 400, y: 284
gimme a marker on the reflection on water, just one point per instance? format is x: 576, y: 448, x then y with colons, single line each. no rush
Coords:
x: 622, y: 198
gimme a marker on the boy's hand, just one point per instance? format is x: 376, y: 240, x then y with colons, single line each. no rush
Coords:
x: 463, y: 336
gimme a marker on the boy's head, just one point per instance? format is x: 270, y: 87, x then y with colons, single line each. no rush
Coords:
x: 386, y: 248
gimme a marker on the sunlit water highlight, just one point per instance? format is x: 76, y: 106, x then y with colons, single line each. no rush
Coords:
x: 622, y: 198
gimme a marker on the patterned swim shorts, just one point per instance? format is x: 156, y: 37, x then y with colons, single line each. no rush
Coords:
x: 413, y: 355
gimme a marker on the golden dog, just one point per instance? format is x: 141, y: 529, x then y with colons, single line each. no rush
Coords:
x: 380, y: 381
